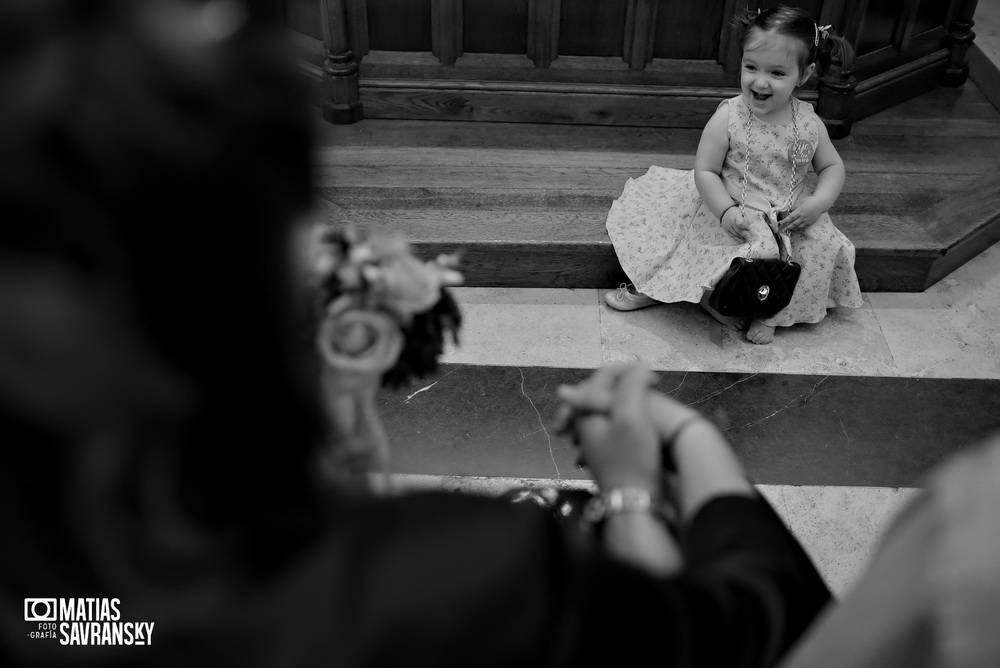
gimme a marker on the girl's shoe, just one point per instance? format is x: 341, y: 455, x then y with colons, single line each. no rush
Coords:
x: 625, y: 298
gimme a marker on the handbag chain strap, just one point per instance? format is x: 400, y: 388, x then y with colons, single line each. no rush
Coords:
x: 746, y: 165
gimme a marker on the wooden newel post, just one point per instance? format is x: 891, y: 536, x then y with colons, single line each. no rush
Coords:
x: 340, y: 73
x: 960, y: 37
x: 836, y: 102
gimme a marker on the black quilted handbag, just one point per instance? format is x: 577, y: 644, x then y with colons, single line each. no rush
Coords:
x: 756, y: 289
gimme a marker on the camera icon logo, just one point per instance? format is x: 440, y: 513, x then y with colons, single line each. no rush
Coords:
x: 40, y: 610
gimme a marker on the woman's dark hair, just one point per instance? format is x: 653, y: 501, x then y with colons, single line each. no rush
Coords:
x: 164, y: 149
x: 829, y: 51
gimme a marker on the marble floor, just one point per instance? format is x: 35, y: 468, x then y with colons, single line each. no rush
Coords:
x: 950, y: 333
x: 835, y: 422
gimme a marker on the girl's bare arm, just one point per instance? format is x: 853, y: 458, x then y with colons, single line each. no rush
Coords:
x: 708, y: 163
x: 829, y: 169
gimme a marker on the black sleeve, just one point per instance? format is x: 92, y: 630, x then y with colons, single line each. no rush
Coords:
x: 441, y: 579
x: 455, y: 580
x: 747, y: 592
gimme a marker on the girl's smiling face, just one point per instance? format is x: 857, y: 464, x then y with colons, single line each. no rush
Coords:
x: 770, y: 73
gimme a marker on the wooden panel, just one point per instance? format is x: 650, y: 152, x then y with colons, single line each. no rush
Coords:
x: 303, y: 16
x: 963, y: 251
x: 689, y: 29
x: 485, y: 225
x: 888, y: 271
x: 403, y: 134
x: 930, y: 14
x: 531, y: 265
x: 814, y: 7
x: 881, y: 24
x: 308, y: 50
x: 592, y: 27
x: 877, y: 62
x: 399, y: 25
x: 832, y: 13
x: 487, y: 67
x: 543, y: 104
x: 881, y: 92
x: 584, y: 41
x: 495, y: 27
x: 853, y: 20
x: 500, y: 264
x: 985, y: 75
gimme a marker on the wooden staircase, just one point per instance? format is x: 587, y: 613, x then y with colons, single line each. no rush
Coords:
x: 525, y: 204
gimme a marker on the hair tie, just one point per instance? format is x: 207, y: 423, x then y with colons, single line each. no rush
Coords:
x: 821, y: 30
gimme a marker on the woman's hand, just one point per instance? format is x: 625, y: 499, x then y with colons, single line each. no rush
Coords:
x: 802, y: 216
x: 623, y: 440
x: 607, y: 415
x: 735, y: 223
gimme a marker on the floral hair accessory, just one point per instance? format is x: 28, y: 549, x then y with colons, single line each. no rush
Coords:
x: 382, y: 310
x: 821, y: 32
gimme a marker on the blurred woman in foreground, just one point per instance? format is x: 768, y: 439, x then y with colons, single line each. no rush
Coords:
x: 161, y: 428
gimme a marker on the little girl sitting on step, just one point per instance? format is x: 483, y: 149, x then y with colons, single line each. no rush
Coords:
x: 676, y: 232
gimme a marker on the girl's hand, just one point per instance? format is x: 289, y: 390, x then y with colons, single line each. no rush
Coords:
x: 735, y: 223
x: 805, y: 214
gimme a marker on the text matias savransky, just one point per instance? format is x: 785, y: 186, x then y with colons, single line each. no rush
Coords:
x: 85, y: 621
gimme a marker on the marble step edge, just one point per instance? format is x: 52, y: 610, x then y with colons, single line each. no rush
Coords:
x: 498, y: 485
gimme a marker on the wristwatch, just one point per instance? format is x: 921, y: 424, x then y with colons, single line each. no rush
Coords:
x: 620, y: 500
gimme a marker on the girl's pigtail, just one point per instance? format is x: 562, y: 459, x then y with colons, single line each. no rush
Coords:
x: 743, y: 19
x: 834, y: 54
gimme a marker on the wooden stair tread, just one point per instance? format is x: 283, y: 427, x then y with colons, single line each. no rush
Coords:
x: 482, y: 225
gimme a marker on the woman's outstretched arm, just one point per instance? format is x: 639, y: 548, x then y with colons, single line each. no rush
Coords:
x: 622, y: 449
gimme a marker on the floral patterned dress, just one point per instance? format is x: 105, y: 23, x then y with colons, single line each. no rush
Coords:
x: 673, y: 248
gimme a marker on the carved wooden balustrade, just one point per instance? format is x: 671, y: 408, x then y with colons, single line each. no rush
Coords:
x: 609, y: 62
